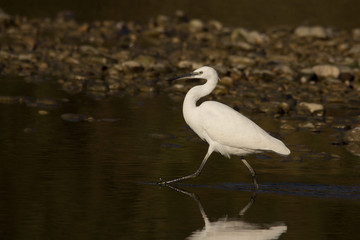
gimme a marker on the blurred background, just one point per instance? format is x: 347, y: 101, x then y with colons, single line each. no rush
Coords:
x: 89, y: 124
x: 252, y: 14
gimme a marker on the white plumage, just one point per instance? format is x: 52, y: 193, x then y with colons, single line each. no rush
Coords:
x: 224, y: 129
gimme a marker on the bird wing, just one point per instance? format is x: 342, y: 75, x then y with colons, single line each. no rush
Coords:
x: 228, y: 127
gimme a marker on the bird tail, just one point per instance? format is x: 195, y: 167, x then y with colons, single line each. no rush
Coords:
x: 280, y: 148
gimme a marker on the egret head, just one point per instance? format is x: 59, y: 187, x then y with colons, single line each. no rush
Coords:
x: 204, y: 72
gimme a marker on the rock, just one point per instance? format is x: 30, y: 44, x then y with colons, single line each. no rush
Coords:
x: 309, y: 125
x: 43, y: 112
x: 306, y: 75
x: 97, y: 86
x: 270, y: 107
x: 315, y: 32
x: 146, y: 89
x: 186, y: 64
x: 159, y: 67
x: 132, y: 66
x: 354, y: 148
x: 235, y: 60
x: 283, y: 70
x: 9, y: 99
x: 145, y: 60
x: 253, y: 37
x: 353, y: 135
x: 326, y: 71
x: 196, y: 25
x: 227, y: 81
x: 264, y: 74
x: 287, y: 126
x: 29, y: 130
x: 312, y: 108
x: 73, y: 117
x: 355, y: 50
x: 356, y: 34
x: 346, y: 73
x: 215, y: 25
x: 220, y: 90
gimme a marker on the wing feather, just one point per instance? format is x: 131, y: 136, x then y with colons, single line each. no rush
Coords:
x: 230, y: 128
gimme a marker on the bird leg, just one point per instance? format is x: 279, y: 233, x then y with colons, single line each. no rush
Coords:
x: 253, y: 173
x: 195, y: 174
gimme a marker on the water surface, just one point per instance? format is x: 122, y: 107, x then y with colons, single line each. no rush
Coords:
x: 92, y: 180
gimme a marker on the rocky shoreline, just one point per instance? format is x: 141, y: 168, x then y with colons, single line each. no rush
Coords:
x: 307, y: 75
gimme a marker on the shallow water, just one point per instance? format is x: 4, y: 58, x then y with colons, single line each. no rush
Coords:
x: 94, y: 180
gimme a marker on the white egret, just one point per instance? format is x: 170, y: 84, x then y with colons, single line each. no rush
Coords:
x: 224, y: 129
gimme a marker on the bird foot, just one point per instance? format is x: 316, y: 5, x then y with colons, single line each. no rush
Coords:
x: 161, y: 182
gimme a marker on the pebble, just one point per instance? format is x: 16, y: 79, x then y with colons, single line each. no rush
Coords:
x: 353, y: 135
x: 326, y: 71
x: 312, y: 108
x: 73, y: 117
x: 315, y: 32
x: 227, y: 81
x: 306, y: 125
x: 43, y: 112
x: 29, y: 130
x: 252, y: 37
x: 356, y: 34
x: 354, y: 148
x: 196, y: 25
x: 132, y: 66
x: 235, y: 60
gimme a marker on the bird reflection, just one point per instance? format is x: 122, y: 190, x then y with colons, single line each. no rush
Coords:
x: 225, y: 228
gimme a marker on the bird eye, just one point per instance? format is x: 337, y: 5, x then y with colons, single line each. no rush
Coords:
x: 201, y: 72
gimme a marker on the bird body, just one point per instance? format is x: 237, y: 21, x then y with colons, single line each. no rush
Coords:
x: 224, y: 129
x: 230, y: 132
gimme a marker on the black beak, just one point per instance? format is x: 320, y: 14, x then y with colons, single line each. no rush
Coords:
x: 183, y: 76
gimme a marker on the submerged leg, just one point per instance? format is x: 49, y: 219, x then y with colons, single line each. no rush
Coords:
x: 253, y: 173
x: 197, y: 173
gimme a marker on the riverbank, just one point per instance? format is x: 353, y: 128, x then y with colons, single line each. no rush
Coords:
x: 307, y: 76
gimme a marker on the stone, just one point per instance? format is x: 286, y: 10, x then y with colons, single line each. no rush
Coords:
x: 186, y: 64
x: 43, y: 112
x: 306, y: 75
x: 97, y: 86
x: 253, y: 37
x: 132, y: 66
x: 235, y: 60
x: 73, y: 117
x: 356, y: 34
x: 309, y: 125
x: 355, y: 50
x: 354, y: 148
x: 353, y: 135
x: 9, y: 99
x: 29, y: 130
x: 227, y: 81
x: 196, y: 25
x: 312, y: 108
x: 326, y: 71
x: 315, y: 32
x: 346, y: 73
x: 287, y: 126
x: 215, y: 25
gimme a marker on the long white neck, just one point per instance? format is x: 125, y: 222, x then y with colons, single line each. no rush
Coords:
x: 195, y: 93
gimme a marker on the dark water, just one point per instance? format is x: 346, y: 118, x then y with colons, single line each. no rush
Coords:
x: 238, y: 13
x: 92, y: 180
